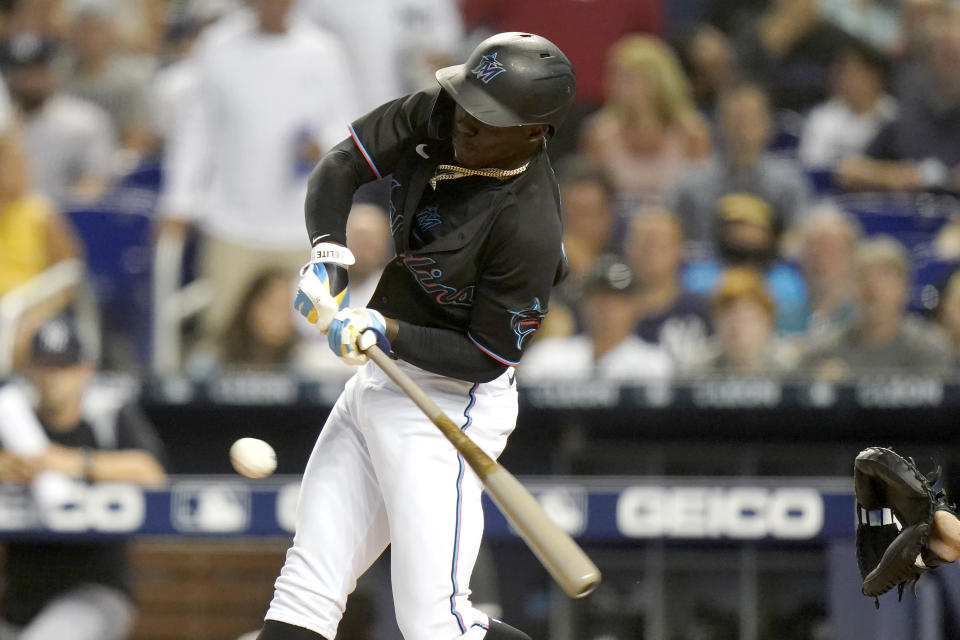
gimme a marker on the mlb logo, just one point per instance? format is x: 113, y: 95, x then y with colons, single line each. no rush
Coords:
x: 210, y: 508
x: 566, y: 506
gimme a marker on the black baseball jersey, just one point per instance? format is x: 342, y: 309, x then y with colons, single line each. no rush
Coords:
x: 475, y: 255
x: 37, y: 571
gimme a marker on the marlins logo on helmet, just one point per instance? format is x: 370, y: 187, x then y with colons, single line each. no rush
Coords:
x: 488, y: 68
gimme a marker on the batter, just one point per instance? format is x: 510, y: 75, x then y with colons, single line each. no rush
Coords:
x: 475, y: 216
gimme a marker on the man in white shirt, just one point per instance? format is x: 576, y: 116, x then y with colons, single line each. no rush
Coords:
x: 397, y: 44
x: 845, y: 124
x: 272, y: 94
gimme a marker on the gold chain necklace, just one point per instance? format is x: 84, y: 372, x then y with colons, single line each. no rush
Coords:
x: 452, y: 172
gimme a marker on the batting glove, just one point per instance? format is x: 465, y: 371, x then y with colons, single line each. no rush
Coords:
x: 353, y: 331
x: 324, y: 286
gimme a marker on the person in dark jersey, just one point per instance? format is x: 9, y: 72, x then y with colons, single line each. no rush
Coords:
x: 475, y: 217
x: 75, y: 589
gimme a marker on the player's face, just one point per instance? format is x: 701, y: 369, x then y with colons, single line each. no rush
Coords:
x: 477, y: 145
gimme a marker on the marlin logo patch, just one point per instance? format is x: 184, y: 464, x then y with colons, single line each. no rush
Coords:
x: 428, y: 276
x: 526, y: 321
x: 488, y: 68
x: 429, y: 217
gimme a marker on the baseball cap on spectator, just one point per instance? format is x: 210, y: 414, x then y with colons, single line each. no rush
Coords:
x: 746, y: 207
x: 610, y: 274
x: 58, y: 344
x: 27, y: 49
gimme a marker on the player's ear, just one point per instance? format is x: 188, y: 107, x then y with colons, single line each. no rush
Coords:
x: 538, y: 131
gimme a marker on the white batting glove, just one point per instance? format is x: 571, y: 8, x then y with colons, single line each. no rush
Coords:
x: 324, y: 285
x: 353, y: 331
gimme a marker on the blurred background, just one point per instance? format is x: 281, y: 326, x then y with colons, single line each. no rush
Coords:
x: 762, y: 220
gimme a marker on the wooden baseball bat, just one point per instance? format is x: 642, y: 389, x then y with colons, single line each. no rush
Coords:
x: 576, y: 574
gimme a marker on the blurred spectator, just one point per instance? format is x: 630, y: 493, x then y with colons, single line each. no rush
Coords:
x: 744, y: 319
x: 273, y: 94
x: 711, y: 64
x: 882, y: 339
x: 786, y: 45
x: 648, y: 129
x: 98, y: 72
x: 260, y: 336
x: 920, y: 149
x: 175, y: 81
x: 6, y: 109
x: 370, y: 241
x: 77, y: 589
x: 742, y: 165
x: 829, y: 239
x: 669, y: 315
x: 138, y: 25
x: 563, y: 22
x: 588, y: 232
x: 858, y: 108
x: 404, y: 42
x: 948, y: 313
x: 748, y: 234
x: 33, y: 236
x: 876, y: 22
x: 915, y: 20
x: 70, y: 142
x: 46, y: 18
x: 609, y: 350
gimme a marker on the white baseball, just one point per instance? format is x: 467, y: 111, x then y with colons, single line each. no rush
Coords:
x: 253, y: 458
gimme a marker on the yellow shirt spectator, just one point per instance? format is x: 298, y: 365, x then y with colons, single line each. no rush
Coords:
x: 24, y: 234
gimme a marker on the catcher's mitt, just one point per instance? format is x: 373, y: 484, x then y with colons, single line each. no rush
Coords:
x: 895, y: 507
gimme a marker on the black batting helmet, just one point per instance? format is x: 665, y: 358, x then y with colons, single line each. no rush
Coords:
x: 512, y: 79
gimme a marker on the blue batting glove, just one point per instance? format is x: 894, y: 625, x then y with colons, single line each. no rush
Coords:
x: 353, y: 331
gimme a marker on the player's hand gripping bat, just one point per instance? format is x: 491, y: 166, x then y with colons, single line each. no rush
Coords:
x: 576, y: 574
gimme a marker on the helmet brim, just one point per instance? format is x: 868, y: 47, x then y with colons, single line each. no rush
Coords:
x: 474, y: 100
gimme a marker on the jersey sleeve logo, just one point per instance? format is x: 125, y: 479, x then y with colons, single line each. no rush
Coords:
x: 396, y: 218
x: 488, y: 68
x: 428, y: 276
x: 526, y: 321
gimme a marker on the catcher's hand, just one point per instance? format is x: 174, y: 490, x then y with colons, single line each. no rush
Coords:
x: 895, y: 510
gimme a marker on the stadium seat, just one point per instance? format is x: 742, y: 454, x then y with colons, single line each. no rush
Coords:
x: 117, y: 248
x: 915, y: 220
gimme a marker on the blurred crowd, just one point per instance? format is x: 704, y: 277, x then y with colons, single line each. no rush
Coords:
x: 750, y: 187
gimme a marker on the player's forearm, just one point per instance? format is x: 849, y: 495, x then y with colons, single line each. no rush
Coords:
x: 449, y: 353
x: 330, y: 191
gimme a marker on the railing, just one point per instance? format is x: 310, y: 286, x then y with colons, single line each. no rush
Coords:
x: 46, y: 286
x: 172, y: 304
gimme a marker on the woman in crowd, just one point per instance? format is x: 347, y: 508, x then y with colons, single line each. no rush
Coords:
x: 33, y: 236
x: 649, y: 128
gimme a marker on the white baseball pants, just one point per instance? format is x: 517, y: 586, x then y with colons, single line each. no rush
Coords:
x: 381, y: 473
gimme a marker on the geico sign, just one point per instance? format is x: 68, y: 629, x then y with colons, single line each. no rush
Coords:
x: 108, y: 508
x: 719, y: 512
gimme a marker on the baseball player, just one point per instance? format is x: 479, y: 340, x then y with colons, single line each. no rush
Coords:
x: 475, y: 217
